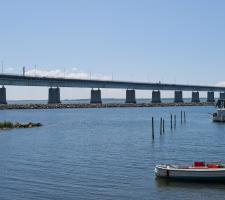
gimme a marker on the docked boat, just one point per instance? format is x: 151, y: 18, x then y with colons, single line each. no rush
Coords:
x: 198, y: 171
x: 219, y: 116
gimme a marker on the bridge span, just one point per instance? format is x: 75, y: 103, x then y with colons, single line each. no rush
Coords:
x: 54, y: 85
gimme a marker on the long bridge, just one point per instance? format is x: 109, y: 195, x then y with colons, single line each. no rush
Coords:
x: 54, y: 85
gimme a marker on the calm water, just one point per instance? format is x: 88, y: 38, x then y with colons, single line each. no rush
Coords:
x: 105, y: 154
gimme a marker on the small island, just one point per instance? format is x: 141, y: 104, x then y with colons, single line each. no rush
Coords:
x: 10, y: 125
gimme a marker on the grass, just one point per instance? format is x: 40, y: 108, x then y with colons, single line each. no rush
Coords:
x: 6, y: 124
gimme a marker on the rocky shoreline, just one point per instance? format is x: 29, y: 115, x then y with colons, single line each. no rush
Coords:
x: 10, y: 125
x: 109, y: 105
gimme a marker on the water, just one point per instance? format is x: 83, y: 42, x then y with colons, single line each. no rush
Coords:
x: 105, y: 154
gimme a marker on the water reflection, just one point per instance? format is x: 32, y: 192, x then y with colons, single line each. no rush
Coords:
x: 190, y: 184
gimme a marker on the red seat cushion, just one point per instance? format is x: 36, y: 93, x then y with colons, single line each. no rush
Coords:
x: 213, y: 166
x: 199, y: 164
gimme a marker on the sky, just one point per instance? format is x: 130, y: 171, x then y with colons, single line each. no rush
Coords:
x: 172, y: 41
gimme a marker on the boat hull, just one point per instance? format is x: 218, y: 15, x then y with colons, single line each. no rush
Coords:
x: 219, y: 119
x: 219, y: 116
x: 190, y: 174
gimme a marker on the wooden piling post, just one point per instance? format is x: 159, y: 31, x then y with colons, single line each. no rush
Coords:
x: 175, y: 121
x: 153, y: 134
x: 163, y: 126
x: 184, y: 117
x: 181, y: 117
x: 171, y: 121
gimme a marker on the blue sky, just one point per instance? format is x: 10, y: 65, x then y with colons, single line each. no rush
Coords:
x: 141, y: 40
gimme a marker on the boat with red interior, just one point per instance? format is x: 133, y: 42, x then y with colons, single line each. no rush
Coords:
x: 198, y: 171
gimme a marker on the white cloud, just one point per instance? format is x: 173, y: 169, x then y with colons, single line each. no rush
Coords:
x: 73, y: 73
x: 74, y: 69
x: 221, y: 84
x: 9, y: 69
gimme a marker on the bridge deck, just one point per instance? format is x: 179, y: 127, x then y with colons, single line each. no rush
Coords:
x: 18, y: 80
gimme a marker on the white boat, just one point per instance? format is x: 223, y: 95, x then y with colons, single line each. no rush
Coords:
x: 219, y: 116
x: 199, y: 171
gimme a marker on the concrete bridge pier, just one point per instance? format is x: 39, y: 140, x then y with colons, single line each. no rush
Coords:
x: 3, y: 95
x: 210, y: 97
x: 54, y: 95
x: 222, y: 95
x: 195, y: 97
x: 178, y: 97
x: 156, y: 97
x: 96, y: 96
x: 130, y: 96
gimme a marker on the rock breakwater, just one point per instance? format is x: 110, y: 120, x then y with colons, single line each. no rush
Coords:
x: 109, y: 105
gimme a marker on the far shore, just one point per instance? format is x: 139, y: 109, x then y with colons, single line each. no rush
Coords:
x: 108, y: 105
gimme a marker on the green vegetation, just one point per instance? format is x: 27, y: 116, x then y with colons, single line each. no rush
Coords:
x: 6, y: 124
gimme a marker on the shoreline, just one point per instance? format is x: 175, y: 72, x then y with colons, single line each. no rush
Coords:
x: 109, y: 105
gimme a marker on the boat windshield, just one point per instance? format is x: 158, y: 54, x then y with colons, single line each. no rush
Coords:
x: 220, y: 103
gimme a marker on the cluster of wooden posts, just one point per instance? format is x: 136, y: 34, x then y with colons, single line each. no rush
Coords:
x: 173, y: 123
